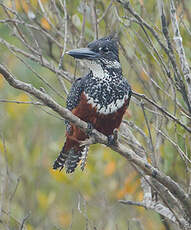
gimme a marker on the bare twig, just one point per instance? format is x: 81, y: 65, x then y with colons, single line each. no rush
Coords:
x: 162, y: 110
x: 45, y: 63
x: 94, y: 16
x: 158, y: 208
x: 151, y: 146
x: 64, y: 48
x: 23, y: 221
x: 83, y: 23
x: 105, y: 12
x: 21, y: 102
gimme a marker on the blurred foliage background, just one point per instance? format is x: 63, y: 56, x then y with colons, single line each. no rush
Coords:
x: 32, y: 136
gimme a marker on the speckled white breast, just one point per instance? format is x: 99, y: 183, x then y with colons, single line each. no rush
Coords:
x: 108, y: 109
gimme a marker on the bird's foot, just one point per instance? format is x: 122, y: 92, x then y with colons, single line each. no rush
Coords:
x: 89, y: 141
x: 89, y: 129
x: 113, y: 138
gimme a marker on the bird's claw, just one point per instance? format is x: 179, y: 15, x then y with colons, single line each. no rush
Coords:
x: 88, y: 141
x: 113, y: 138
x: 89, y: 129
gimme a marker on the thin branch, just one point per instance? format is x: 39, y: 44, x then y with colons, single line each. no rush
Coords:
x: 158, y: 208
x: 44, y: 63
x: 23, y: 221
x: 39, y: 76
x: 94, y: 17
x: 162, y: 110
x: 180, y: 151
x: 137, y: 129
x: 151, y: 146
x: 60, y: 65
x: 105, y: 12
x: 65, y: 33
x: 83, y: 23
x: 21, y: 102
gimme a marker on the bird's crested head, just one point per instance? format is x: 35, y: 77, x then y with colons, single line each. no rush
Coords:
x: 102, y: 52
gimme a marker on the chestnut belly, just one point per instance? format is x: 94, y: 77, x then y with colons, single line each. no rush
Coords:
x: 104, y: 123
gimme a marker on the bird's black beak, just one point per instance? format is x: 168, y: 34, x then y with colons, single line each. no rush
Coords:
x: 83, y: 53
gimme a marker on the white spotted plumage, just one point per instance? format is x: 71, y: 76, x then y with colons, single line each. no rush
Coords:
x: 105, y: 89
x: 107, y: 109
x: 103, y: 75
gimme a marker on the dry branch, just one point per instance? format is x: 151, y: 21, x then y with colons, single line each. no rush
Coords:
x: 180, y: 49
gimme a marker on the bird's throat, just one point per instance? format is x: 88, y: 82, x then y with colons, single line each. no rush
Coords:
x: 105, y: 72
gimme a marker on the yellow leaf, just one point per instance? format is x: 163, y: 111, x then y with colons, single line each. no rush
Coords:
x: 1, y: 146
x: 141, y: 2
x: 121, y: 193
x: 130, y: 186
x: 25, y: 6
x: 23, y: 97
x: 140, y: 196
x: 29, y: 227
x: 45, y: 200
x: 144, y: 75
x: 45, y: 24
x: 59, y: 176
x: 151, y: 223
x: 107, y: 153
x: 65, y: 219
x: 34, y: 3
x: 149, y: 160
x: 42, y: 199
x: 130, y: 177
x: 1, y: 81
x: 17, y: 110
x: 110, y: 168
x: 138, y: 88
x: 18, y: 5
x: 51, y: 197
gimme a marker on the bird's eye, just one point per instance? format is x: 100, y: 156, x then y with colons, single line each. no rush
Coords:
x: 104, y: 49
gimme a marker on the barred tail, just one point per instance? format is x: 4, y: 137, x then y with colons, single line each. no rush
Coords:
x: 70, y: 156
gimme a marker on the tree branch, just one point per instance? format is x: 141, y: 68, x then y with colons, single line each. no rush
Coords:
x: 180, y: 49
x: 162, y: 110
x: 21, y: 102
x: 158, y: 208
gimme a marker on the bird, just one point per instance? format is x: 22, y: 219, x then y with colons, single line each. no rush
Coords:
x: 99, y: 98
